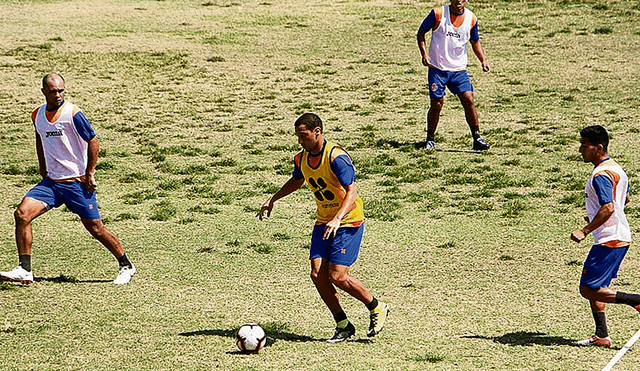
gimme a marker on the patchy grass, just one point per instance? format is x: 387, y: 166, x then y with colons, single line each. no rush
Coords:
x: 195, y: 118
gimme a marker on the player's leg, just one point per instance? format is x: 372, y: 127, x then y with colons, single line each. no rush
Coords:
x: 594, y: 286
x: 437, y: 81
x: 85, y: 205
x: 601, y: 335
x: 345, y: 248
x: 36, y: 202
x: 329, y: 295
x: 320, y: 278
x: 98, y: 230
x: 28, y: 210
x: 470, y: 113
x: 378, y: 310
x: 433, y: 117
x: 598, y: 295
x: 340, y: 277
x: 607, y: 295
x: 112, y: 243
x: 319, y: 258
x: 460, y: 84
x: 600, y: 268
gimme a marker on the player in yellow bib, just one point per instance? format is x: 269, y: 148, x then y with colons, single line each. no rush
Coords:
x: 339, y: 226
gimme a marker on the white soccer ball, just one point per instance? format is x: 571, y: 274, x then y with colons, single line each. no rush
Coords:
x: 250, y: 338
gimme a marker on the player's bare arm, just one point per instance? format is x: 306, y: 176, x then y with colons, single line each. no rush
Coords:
x: 289, y: 187
x: 347, y: 205
x: 478, y: 50
x: 92, y: 160
x: 42, y: 164
x: 603, y: 214
x: 422, y: 45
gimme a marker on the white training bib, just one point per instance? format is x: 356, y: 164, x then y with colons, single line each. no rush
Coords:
x: 65, y: 151
x: 616, y: 228
x: 448, y: 47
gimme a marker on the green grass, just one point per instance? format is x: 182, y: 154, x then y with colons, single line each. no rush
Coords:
x: 195, y: 114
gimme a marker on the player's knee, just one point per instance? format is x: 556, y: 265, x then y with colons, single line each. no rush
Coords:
x: 337, y: 277
x: 315, y: 275
x: 21, y: 217
x: 97, y: 230
x: 436, y: 105
x: 586, y: 292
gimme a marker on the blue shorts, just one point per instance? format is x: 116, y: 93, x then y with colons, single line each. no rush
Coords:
x: 73, y: 194
x: 457, y: 82
x: 343, y: 249
x: 601, y: 266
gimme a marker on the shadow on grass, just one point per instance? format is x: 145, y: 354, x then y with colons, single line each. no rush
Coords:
x: 217, y: 332
x: 420, y: 145
x: 526, y: 338
x: 458, y: 150
x: 67, y: 279
x: 272, y: 336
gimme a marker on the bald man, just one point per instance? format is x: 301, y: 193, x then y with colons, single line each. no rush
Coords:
x: 67, y: 149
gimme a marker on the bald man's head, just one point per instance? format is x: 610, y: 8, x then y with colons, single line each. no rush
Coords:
x: 53, y: 90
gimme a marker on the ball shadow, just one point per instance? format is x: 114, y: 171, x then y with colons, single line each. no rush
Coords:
x: 272, y: 336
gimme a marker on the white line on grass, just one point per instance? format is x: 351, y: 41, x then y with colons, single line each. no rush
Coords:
x: 622, y: 351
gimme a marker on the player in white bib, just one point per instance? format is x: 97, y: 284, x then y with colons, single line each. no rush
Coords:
x: 67, y: 149
x: 607, y: 192
x: 452, y: 27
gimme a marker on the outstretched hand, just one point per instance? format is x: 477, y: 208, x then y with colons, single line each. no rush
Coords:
x: 267, y: 206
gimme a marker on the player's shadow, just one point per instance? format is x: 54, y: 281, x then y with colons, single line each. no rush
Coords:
x: 67, y: 279
x: 418, y: 145
x: 526, y: 338
x: 216, y: 332
x: 382, y: 142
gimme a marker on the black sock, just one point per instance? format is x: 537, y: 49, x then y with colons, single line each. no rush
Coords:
x: 25, y: 262
x: 124, y: 261
x: 601, y: 324
x: 340, y: 316
x: 373, y: 304
x: 627, y: 298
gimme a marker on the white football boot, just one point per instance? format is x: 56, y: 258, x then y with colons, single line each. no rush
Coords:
x: 125, y: 274
x: 18, y: 274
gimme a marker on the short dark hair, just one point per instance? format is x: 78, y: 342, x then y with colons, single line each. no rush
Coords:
x: 46, y: 77
x: 596, y: 134
x: 309, y: 120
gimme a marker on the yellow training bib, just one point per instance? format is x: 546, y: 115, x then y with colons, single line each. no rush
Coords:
x: 326, y: 187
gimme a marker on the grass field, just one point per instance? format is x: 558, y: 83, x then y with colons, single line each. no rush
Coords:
x: 194, y: 103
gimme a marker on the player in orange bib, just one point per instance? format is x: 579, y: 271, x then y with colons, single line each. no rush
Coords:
x: 607, y: 192
x: 67, y: 149
x: 452, y: 27
x: 339, y: 226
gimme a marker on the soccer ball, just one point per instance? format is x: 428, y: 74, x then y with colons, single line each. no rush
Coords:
x: 250, y: 338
